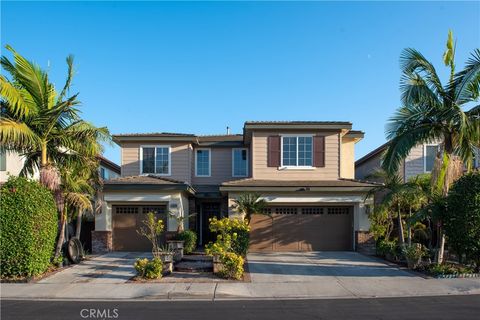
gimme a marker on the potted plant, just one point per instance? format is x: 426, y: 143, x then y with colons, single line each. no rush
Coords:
x: 414, y: 254
x: 176, y: 245
x: 166, y: 255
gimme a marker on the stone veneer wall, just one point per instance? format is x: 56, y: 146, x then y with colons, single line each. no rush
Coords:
x: 364, y: 242
x: 102, y: 241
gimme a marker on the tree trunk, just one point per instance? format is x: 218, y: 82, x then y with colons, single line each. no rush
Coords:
x: 78, y: 227
x: 401, y: 239
x: 409, y: 227
x: 61, y: 234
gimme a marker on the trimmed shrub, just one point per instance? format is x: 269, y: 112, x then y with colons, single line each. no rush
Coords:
x: 461, y: 220
x: 190, y: 240
x: 28, y: 224
x: 232, y: 266
x: 149, y: 269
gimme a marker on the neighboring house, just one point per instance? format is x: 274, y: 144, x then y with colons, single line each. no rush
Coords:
x: 108, y: 169
x: 303, y: 169
x: 419, y: 160
x: 11, y: 164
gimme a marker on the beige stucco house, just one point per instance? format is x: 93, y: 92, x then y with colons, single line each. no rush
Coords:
x: 303, y: 169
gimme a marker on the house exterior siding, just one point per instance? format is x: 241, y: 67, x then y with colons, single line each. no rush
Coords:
x: 260, y: 156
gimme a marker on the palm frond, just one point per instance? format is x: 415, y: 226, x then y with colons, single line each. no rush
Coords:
x: 29, y: 76
x: 18, y: 100
x: 79, y: 201
x: 412, y: 61
x: 17, y: 135
x: 466, y: 83
x: 68, y: 82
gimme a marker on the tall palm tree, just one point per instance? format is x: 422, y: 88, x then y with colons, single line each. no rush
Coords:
x: 433, y: 112
x: 43, y: 125
x: 250, y: 203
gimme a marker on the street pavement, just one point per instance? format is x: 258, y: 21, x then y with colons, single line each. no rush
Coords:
x: 450, y: 307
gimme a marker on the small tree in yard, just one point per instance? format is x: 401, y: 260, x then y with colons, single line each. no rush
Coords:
x: 249, y: 204
x: 462, y: 218
x: 152, y: 229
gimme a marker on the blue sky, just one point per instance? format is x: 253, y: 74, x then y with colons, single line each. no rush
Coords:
x: 199, y: 67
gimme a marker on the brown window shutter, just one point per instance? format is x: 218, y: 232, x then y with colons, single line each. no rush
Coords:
x: 319, y: 151
x: 273, y: 151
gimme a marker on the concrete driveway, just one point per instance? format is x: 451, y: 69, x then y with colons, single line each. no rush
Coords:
x: 314, y: 266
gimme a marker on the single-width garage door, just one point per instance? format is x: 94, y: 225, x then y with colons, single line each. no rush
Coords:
x: 127, y: 219
x: 303, y: 229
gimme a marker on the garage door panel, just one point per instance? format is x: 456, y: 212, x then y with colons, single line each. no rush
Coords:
x: 127, y: 220
x: 286, y: 228
x: 304, y: 229
x: 261, y: 237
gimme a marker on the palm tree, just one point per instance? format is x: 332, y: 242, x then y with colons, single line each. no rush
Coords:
x: 433, y: 112
x: 249, y: 204
x: 391, y: 194
x: 43, y: 125
x: 79, y: 185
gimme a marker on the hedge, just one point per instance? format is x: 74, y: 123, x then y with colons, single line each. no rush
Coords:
x: 28, y: 224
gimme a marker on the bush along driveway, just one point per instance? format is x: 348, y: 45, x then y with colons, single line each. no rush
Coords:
x: 275, y: 275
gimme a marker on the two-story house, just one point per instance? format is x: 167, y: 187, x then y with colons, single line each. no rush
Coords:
x: 303, y: 169
x: 419, y: 160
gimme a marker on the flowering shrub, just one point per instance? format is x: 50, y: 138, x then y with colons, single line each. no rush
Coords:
x: 233, y: 234
x: 231, y: 245
x: 232, y: 266
x: 149, y: 269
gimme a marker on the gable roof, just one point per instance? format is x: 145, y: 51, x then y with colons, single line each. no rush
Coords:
x: 372, y: 154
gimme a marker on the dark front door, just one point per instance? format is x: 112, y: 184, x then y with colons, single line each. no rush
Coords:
x: 209, y: 210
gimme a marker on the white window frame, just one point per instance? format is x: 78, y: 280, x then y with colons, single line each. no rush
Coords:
x: 209, y: 162
x: 281, y: 152
x: 425, y: 155
x: 233, y: 162
x: 155, y: 160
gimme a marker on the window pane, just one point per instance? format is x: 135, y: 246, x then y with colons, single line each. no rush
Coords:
x: 289, y: 151
x: 304, y: 151
x: 162, y: 161
x: 240, y: 162
x: 148, y: 163
x: 431, y: 153
x: 3, y: 161
x: 203, y: 162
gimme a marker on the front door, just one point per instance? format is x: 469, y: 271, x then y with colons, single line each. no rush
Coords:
x: 209, y: 210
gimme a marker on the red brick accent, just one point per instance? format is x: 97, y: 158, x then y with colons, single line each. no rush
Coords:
x: 364, y: 242
x: 102, y: 241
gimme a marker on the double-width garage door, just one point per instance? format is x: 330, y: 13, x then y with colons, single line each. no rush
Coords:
x: 127, y: 219
x: 306, y: 228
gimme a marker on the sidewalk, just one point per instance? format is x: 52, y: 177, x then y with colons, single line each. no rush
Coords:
x: 328, y: 288
x: 276, y: 276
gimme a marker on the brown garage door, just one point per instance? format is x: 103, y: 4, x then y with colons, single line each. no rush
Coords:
x: 127, y: 220
x: 303, y: 229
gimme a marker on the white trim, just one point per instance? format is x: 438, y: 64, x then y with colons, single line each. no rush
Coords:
x: 155, y: 159
x: 296, y: 167
x: 209, y: 163
x: 233, y: 162
x: 425, y: 155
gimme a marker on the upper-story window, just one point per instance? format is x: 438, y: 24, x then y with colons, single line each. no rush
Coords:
x: 155, y: 160
x: 429, y: 158
x: 202, y: 162
x: 3, y: 161
x: 240, y: 162
x: 103, y: 173
x: 297, y: 151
